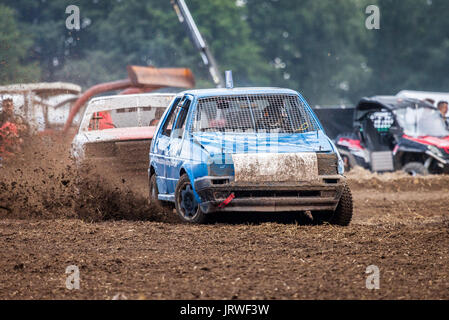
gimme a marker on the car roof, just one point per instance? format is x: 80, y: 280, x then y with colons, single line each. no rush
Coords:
x: 204, y: 93
x: 391, y: 103
x: 124, y: 96
x: 161, y: 100
x: 109, y: 103
x: 436, y: 96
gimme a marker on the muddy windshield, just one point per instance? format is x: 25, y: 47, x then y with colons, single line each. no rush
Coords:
x: 253, y: 113
x: 420, y: 122
x: 125, y: 118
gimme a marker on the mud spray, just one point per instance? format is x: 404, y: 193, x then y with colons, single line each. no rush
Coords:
x: 43, y: 182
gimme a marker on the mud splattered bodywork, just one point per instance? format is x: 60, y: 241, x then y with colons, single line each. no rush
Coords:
x: 273, y: 167
x: 275, y: 182
x: 122, y: 140
x: 247, y: 149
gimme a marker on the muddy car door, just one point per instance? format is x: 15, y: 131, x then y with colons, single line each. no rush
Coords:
x: 176, y: 144
x: 161, y: 147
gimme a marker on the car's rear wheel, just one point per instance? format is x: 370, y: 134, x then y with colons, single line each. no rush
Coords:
x: 153, y: 196
x: 415, y: 169
x: 187, y: 207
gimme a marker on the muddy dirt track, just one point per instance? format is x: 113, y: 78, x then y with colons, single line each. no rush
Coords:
x: 401, y: 224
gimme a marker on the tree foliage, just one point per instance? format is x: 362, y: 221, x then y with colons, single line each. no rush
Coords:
x: 13, y: 50
x: 320, y: 48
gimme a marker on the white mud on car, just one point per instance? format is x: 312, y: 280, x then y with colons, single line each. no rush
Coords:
x: 275, y: 167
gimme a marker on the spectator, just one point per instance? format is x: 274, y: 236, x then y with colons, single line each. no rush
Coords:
x: 7, y: 113
x: 443, y: 107
x: 10, y: 128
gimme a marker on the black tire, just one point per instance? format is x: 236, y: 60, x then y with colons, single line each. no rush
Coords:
x: 343, y: 214
x: 153, y: 193
x: 186, y: 206
x: 415, y: 168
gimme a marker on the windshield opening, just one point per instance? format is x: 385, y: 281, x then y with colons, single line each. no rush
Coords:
x: 420, y: 122
x: 125, y: 118
x: 253, y: 113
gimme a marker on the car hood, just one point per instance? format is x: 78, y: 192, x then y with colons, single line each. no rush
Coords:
x: 237, y: 143
x: 120, y: 134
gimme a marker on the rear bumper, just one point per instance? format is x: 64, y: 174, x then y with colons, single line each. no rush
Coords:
x: 320, y: 195
x: 114, y: 164
x: 123, y: 155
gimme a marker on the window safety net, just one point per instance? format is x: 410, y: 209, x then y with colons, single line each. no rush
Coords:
x: 253, y: 113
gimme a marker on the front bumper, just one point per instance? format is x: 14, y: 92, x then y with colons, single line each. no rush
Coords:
x: 442, y: 161
x: 323, y: 194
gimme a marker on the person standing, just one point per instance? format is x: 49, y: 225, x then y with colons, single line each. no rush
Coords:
x: 443, y: 108
x: 11, y: 128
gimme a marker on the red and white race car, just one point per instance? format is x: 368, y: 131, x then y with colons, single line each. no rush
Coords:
x: 116, y: 131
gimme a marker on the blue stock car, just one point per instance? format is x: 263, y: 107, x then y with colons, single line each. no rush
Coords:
x: 246, y: 149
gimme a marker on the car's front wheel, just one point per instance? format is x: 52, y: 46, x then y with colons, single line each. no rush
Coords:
x: 342, y: 216
x: 187, y: 207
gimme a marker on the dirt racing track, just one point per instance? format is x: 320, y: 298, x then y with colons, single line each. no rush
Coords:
x: 50, y: 219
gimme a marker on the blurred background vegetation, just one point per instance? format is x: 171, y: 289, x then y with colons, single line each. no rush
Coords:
x: 320, y: 48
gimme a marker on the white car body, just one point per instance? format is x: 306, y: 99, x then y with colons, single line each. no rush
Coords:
x: 116, y: 145
x: 422, y: 95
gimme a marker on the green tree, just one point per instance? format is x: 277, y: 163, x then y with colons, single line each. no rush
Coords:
x: 117, y: 33
x: 14, y: 46
x: 149, y: 33
x: 320, y: 48
x: 53, y: 42
x: 410, y: 49
x: 314, y: 46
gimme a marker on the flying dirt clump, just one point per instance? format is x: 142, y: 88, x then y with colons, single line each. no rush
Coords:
x: 36, y: 182
x: 101, y: 195
x: 43, y: 182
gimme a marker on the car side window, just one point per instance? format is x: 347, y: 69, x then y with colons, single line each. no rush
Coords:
x: 168, y: 125
x: 181, y: 119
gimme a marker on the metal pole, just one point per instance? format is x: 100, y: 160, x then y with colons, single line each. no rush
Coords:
x: 185, y: 17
